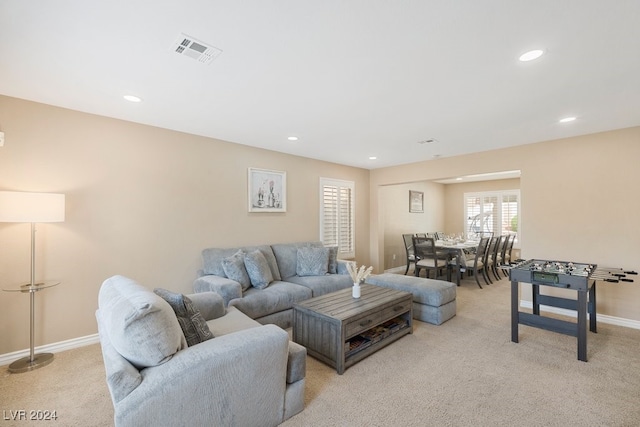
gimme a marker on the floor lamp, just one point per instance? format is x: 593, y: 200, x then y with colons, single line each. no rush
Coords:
x: 33, y: 208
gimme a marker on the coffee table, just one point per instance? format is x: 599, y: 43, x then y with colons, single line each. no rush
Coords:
x: 340, y: 330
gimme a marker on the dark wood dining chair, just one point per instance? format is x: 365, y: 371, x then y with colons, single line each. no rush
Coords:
x: 477, y: 267
x: 428, y: 258
x: 408, y: 245
x: 507, y: 253
x: 497, y: 256
x: 489, y: 263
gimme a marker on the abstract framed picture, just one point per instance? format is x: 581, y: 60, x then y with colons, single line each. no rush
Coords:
x: 267, y: 190
x: 416, y: 201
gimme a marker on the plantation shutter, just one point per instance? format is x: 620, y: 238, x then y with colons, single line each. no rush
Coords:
x: 337, y: 219
x: 492, y: 211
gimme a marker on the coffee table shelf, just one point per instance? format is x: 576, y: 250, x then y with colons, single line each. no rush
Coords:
x: 327, y: 325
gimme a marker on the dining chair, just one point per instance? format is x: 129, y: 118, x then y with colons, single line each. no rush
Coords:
x: 507, y: 252
x: 477, y: 267
x: 408, y: 245
x: 428, y: 258
x: 497, y: 255
x: 489, y: 261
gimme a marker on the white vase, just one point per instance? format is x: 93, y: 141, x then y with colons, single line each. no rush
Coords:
x: 355, y: 291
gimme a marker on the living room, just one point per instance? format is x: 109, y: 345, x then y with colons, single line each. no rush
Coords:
x: 144, y: 201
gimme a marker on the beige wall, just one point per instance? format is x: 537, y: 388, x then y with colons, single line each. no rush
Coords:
x: 444, y: 211
x: 397, y: 220
x: 143, y: 202
x: 140, y: 201
x: 578, y: 203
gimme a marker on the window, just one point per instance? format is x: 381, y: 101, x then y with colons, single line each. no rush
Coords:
x: 497, y: 212
x: 337, y: 217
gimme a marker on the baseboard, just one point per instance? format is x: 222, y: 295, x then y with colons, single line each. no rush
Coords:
x: 619, y: 321
x: 7, y: 358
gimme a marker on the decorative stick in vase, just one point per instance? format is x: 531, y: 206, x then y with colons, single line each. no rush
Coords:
x: 358, y: 275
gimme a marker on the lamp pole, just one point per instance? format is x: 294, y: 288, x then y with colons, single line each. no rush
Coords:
x: 39, y: 360
x: 32, y: 208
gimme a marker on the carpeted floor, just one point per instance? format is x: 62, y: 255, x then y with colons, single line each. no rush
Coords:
x: 466, y: 372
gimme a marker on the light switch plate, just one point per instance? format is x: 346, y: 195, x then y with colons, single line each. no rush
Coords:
x: 1, y: 139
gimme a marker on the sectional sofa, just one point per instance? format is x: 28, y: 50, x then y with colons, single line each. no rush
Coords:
x: 265, y: 281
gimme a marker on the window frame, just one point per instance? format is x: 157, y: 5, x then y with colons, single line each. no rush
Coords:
x: 337, y: 236
x: 500, y: 195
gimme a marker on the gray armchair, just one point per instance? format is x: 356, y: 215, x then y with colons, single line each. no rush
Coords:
x: 248, y: 374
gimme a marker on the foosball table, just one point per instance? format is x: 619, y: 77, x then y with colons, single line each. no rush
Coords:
x: 580, y: 277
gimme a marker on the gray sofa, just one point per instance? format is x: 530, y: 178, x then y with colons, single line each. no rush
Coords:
x: 290, y: 283
x: 248, y: 374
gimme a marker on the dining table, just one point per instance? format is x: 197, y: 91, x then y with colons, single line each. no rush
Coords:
x: 459, y: 249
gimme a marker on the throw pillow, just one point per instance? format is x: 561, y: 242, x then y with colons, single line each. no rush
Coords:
x: 234, y: 269
x: 193, y: 325
x: 333, y: 259
x: 312, y: 261
x: 258, y: 269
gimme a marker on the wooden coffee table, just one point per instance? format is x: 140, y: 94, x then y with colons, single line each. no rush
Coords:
x: 340, y: 330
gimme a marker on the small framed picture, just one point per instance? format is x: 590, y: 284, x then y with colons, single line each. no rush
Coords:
x: 267, y: 190
x: 416, y: 201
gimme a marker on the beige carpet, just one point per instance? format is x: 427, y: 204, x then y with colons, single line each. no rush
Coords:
x: 466, y: 372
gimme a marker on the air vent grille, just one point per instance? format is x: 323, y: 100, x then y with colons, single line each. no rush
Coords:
x: 195, y: 49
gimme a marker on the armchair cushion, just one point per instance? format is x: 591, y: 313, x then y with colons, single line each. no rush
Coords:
x: 258, y: 269
x: 193, y: 325
x: 132, y: 315
x: 235, y: 269
x: 312, y: 261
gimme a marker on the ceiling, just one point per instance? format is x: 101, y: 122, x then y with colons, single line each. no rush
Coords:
x: 350, y: 79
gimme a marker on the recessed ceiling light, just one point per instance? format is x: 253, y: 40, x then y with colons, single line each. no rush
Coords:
x: 373, y: 158
x: 531, y: 55
x: 428, y: 141
x: 132, y: 98
x: 567, y: 119
x: 293, y: 138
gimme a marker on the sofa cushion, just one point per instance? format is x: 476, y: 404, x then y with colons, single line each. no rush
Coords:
x: 286, y: 255
x: 312, y: 261
x: 258, y: 269
x: 193, y: 325
x: 235, y: 269
x: 279, y: 296
x: 212, y: 259
x: 142, y: 326
x: 320, y: 285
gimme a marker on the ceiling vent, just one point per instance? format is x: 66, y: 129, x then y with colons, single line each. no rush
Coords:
x: 194, y: 48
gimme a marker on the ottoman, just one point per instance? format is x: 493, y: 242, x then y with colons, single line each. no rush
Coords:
x: 434, y: 301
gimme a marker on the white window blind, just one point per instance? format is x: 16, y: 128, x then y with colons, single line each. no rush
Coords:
x: 496, y: 212
x: 337, y: 217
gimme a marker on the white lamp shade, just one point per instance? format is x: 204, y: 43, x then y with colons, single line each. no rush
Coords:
x: 31, y: 207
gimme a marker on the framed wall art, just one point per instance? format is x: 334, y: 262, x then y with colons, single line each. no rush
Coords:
x: 267, y: 190
x: 416, y: 201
